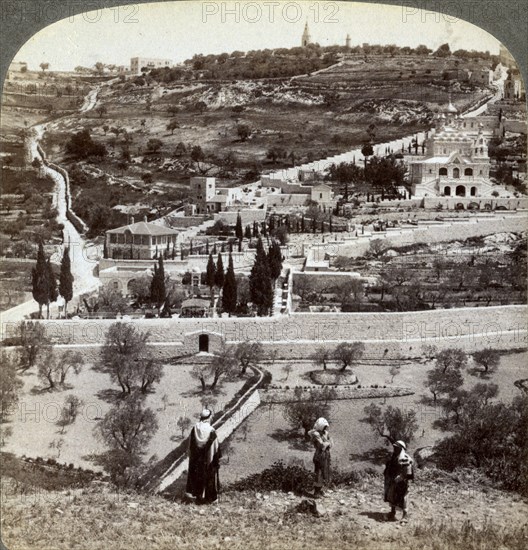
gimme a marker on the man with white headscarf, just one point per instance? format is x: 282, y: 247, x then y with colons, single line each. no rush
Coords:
x: 203, y: 482
x: 322, y: 443
x: 398, y: 471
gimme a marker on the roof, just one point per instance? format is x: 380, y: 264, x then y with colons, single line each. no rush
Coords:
x: 144, y: 228
x: 196, y: 302
x: 323, y: 185
x: 447, y: 160
x: 218, y: 198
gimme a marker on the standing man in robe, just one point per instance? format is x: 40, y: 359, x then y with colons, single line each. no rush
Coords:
x: 203, y: 482
x: 398, y: 471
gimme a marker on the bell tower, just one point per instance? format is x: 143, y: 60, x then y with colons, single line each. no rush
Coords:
x: 306, y: 38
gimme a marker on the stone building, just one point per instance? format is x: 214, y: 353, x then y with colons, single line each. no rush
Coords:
x: 483, y: 77
x: 323, y: 195
x: 138, y: 63
x: 139, y: 241
x: 514, y: 89
x: 457, y: 161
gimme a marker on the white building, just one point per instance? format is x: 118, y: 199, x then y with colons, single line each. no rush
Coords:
x: 457, y: 161
x: 138, y: 63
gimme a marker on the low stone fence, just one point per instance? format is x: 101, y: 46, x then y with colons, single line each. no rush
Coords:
x: 289, y: 395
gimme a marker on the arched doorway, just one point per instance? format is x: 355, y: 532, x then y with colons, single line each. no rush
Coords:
x: 460, y: 191
x: 473, y: 206
x: 459, y: 206
x: 473, y: 191
x: 468, y: 172
x: 443, y: 172
x: 203, y: 342
x: 447, y: 191
x: 456, y: 173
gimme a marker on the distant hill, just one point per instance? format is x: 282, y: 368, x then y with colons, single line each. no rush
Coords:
x: 289, y: 62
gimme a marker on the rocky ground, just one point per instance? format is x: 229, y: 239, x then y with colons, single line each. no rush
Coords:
x: 447, y: 511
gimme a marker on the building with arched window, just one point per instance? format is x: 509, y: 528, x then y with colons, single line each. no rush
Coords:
x: 140, y: 241
x: 456, y: 162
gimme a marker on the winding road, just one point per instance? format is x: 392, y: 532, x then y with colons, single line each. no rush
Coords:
x: 83, y: 255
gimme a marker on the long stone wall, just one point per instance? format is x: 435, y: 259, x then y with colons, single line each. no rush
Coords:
x: 435, y: 233
x: 386, y: 335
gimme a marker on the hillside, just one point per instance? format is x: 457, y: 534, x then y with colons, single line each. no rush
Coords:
x: 453, y: 512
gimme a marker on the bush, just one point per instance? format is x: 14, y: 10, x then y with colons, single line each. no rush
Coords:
x: 491, y: 437
x: 278, y: 477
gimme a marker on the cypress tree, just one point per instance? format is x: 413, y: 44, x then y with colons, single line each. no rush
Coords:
x: 322, y: 226
x: 238, y: 228
x: 53, y: 293
x: 39, y: 279
x: 210, y: 273
x: 330, y: 227
x: 157, y: 285
x: 271, y: 224
x: 303, y: 228
x: 314, y: 225
x: 219, y: 273
x: 275, y: 260
x: 229, y: 290
x: 264, y: 229
x: 66, y: 279
x: 207, y: 247
x: 247, y: 232
x: 260, y: 284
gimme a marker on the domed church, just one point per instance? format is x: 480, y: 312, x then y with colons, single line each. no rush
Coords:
x: 456, y: 162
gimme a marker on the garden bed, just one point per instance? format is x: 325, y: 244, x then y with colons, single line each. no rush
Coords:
x: 286, y: 395
x: 333, y: 377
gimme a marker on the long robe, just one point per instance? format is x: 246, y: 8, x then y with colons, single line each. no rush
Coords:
x: 204, y: 462
x: 321, y: 459
x: 398, y: 471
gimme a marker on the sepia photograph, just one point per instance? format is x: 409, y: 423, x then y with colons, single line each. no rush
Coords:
x: 263, y: 277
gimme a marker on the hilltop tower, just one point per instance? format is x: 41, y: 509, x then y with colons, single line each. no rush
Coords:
x: 347, y: 41
x: 306, y: 38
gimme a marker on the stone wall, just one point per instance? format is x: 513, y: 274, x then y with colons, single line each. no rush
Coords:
x: 248, y: 216
x: 434, y: 233
x: 450, y: 203
x: 386, y: 335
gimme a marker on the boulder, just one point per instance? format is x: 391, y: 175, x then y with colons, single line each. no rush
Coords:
x: 423, y: 456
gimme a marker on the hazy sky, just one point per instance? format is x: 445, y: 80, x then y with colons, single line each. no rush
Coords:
x: 178, y: 30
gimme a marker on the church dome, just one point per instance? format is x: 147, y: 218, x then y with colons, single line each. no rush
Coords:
x: 451, y: 108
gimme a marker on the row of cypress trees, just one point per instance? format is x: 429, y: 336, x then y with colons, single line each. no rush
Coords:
x: 44, y: 281
x: 264, y: 273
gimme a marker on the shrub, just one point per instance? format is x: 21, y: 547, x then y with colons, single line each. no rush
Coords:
x: 278, y: 477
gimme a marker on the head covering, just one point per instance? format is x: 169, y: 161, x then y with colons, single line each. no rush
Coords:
x: 205, y: 414
x: 401, y: 444
x: 320, y: 424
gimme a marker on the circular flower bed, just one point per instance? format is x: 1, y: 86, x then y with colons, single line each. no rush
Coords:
x: 333, y: 377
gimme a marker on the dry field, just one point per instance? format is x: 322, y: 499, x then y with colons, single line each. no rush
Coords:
x: 34, y: 422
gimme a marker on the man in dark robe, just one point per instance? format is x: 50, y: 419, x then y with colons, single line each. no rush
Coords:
x: 203, y: 482
x: 398, y: 471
